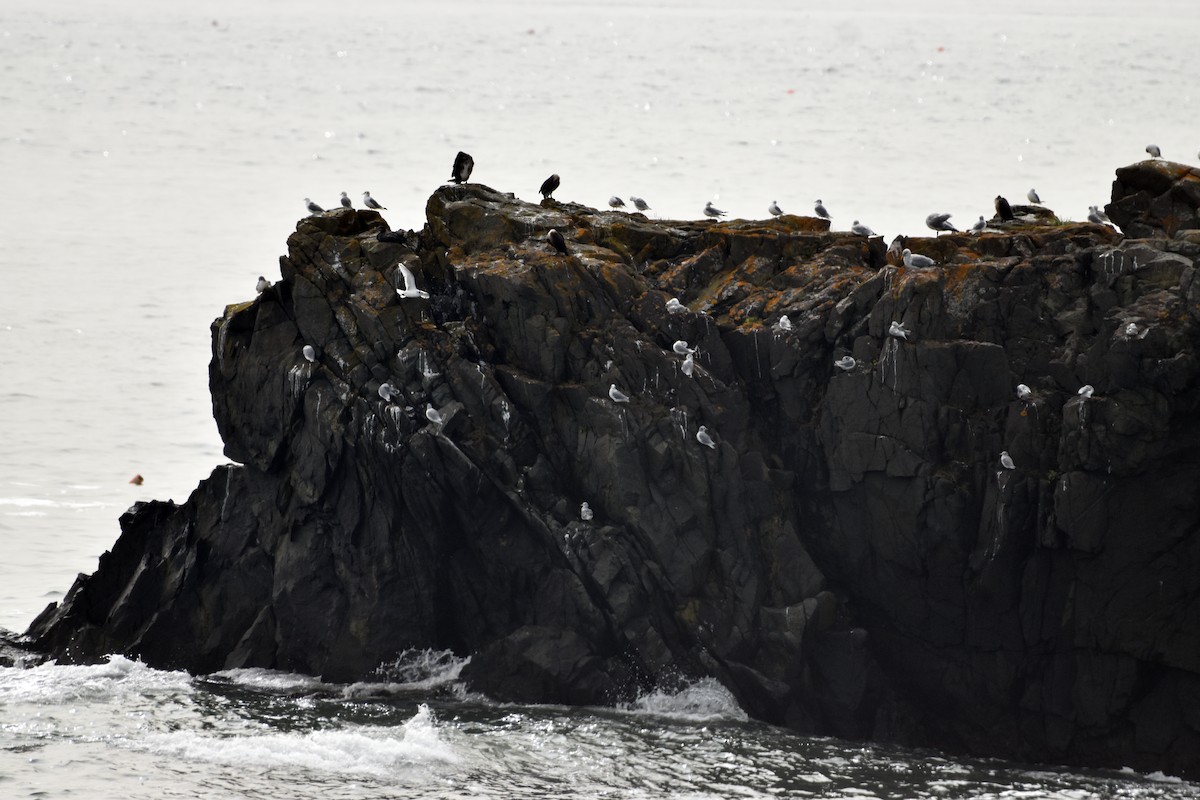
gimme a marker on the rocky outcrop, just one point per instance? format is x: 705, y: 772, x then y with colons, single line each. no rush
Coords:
x: 848, y: 557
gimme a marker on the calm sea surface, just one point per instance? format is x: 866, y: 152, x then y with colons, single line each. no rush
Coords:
x: 156, y: 157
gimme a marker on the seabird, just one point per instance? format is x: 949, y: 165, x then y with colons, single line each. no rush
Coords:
x: 1032, y: 196
x: 262, y: 285
x: 639, y: 203
x: 1023, y: 392
x: 615, y: 202
x: 346, y: 201
x: 585, y: 511
x: 681, y: 348
x: 820, y: 209
x: 387, y: 391
x: 1003, y: 209
x: 846, y: 363
x: 310, y: 353
x: 433, y: 416
x: 688, y: 366
x: 616, y: 395
x: 858, y: 229
x: 940, y: 222
x: 783, y: 325
x: 557, y: 241
x: 898, y: 330
x: 676, y: 307
x: 703, y: 438
x: 979, y: 226
x: 916, y: 260
x: 1086, y: 391
x: 712, y: 211
x: 461, y: 171
x: 1006, y: 460
x: 312, y: 207
x: 1094, y: 215
x: 1153, y: 150
x: 410, y: 284
x: 548, y: 186
x: 1131, y: 329
x: 372, y: 203
x: 775, y: 210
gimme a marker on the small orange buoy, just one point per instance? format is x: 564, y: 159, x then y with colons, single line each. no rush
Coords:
x: 137, y: 480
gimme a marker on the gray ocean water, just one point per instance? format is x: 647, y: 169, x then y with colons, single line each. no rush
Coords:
x: 156, y: 157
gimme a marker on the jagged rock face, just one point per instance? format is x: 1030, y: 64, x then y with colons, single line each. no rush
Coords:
x: 1157, y: 199
x: 848, y: 556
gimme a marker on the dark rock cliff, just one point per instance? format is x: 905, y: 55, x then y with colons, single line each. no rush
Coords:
x: 849, y: 557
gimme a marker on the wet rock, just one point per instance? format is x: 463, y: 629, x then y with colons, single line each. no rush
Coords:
x: 850, y: 558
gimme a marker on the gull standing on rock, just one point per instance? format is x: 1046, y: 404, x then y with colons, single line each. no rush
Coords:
x: 1086, y: 391
x: 703, y: 437
x: 548, y: 186
x: 1094, y: 215
x: 433, y: 416
x: 681, y: 348
x: 616, y: 395
x: 1131, y: 329
x: 858, y: 229
x: 557, y: 241
x: 939, y: 223
x: 463, y: 166
x: 845, y: 363
x: 639, y: 203
x: 688, y: 365
x: 676, y: 307
x: 312, y: 207
x: 899, y: 331
x: 1153, y: 150
x: 820, y: 209
x: 346, y: 201
x: 410, y: 284
x: 1023, y: 392
x: 615, y: 202
x: 387, y: 391
x: 979, y: 226
x: 783, y: 325
x: 372, y: 203
x: 1032, y: 196
x: 1006, y: 460
x: 310, y: 353
x: 775, y: 210
x: 916, y: 260
x: 262, y: 285
x: 712, y: 211
x: 585, y: 511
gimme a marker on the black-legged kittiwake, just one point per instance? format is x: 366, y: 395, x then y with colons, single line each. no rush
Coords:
x: 615, y: 202
x: 1006, y: 460
x: 433, y: 416
x: 676, y: 307
x: 616, y: 395
x: 346, y: 201
x: 688, y: 365
x: 312, y: 207
x: 1023, y: 392
x: 1032, y: 196
x: 681, y: 348
x: 845, y: 363
x: 585, y: 511
x: 979, y: 226
x: 410, y: 284
x: 703, y: 437
x: 916, y: 260
x: 819, y: 208
x: 639, y: 203
x: 1153, y: 150
x: 712, y: 211
x: 387, y: 392
x: 372, y: 203
x: 774, y: 209
x: 783, y: 324
x: 940, y: 222
x: 858, y: 229
x: 262, y: 285
x: 899, y: 331
x: 310, y: 353
x: 1094, y: 215
x: 1131, y: 329
x: 1086, y: 391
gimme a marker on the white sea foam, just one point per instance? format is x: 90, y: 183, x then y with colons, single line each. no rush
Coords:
x: 55, y: 684
x: 364, y: 751
x: 413, y: 670
x: 269, y: 680
x: 703, y: 701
